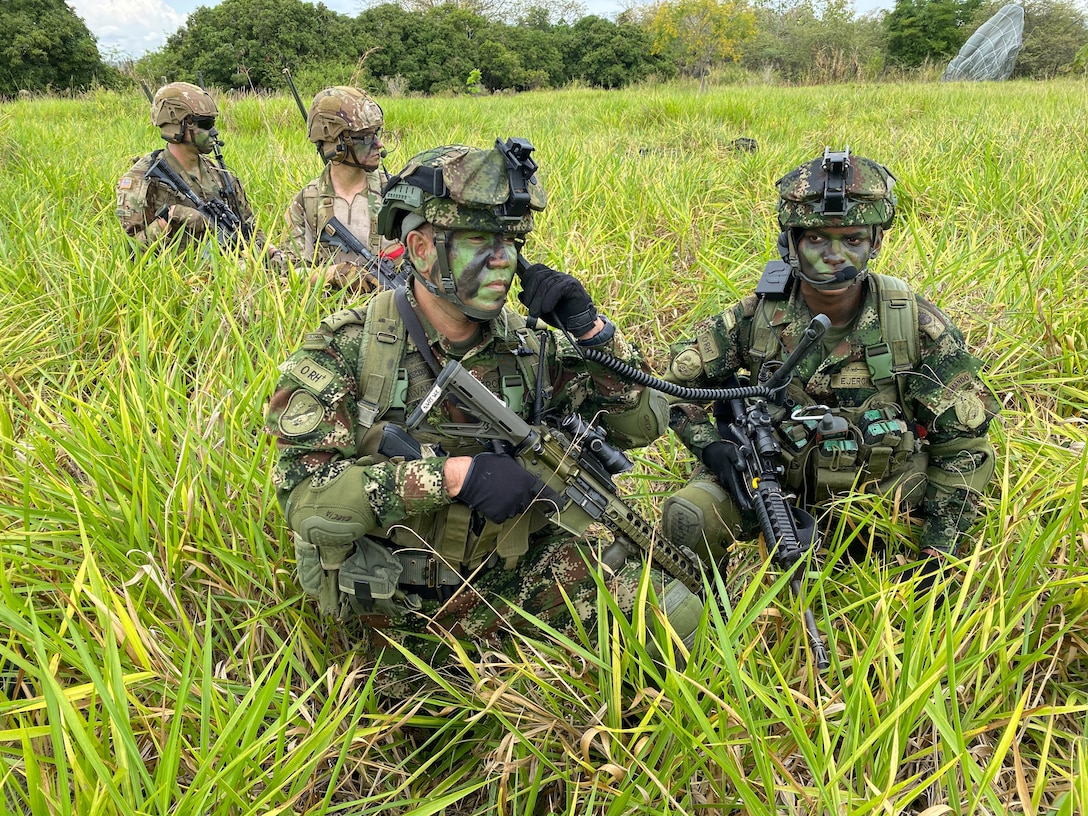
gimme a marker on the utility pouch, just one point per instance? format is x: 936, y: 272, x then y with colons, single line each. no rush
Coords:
x: 370, y: 573
x: 318, y: 569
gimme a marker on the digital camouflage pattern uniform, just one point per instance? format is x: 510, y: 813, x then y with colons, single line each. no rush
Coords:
x: 140, y: 198
x: 948, y: 408
x: 917, y: 411
x: 328, y: 464
x: 352, y: 507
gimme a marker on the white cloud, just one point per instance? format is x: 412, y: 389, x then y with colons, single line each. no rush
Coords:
x: 129, y: 27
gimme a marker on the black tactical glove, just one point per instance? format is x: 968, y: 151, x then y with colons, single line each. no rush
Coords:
x: 722, y: 458
x: 499, y: 488
x: 558, y: 298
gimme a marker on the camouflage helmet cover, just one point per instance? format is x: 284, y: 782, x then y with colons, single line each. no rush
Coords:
x: 473, y: 193
x: 177, y: 100
x: 869, y: 199
x: 339, y: 110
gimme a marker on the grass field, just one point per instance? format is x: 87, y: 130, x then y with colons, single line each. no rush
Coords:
x: 159, y: 658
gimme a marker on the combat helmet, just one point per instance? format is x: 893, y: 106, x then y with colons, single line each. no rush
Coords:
x: 337, y: 112
x: 455, y: 187
x: 836, y: 190
x: 176, y: 103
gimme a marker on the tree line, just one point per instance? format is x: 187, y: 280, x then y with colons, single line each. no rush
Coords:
x: 426, y: 47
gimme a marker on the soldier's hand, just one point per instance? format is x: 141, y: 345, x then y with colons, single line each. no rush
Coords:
x: 499, y: 488
x: 558, y: 298
x: 188, y: 219
x: 346, y: 275
x: 723, y: 459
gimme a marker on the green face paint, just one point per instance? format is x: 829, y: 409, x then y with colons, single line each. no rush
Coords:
x: 482, y: 265
x: 823, y: 251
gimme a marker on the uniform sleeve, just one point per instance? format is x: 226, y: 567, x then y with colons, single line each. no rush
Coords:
x: 708, y: 359
x: 135, y: 206
x: 328, y: 492
x: 955, y: 408
x: 295, y: 216
x: 634, y: 415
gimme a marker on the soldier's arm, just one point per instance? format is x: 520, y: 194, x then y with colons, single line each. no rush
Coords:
x: 633, y: 415
x: 136, y: 207
x: 300, y: 237
x: 328, y: 491
x: 714, y: 353
x: 955, y: 407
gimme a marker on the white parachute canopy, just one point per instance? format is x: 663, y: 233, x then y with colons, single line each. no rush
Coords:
x: 990, y: 53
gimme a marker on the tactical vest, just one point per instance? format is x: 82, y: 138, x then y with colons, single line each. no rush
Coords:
x: 389, y: 378
x: 319, y: 207
x: 881, y: 450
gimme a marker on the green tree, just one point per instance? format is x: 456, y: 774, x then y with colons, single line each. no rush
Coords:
x: 610, y: 55
x: 249, y: 42
x: 813, y: 41
x: 701, y: 33
x: 927, y: 29
x: 44, y: 45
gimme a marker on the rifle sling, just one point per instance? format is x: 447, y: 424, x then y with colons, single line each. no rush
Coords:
x: 415, y: 329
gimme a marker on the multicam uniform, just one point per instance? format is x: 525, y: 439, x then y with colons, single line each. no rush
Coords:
x: 327, y: 413
x: 139, y: 199
x: 317, y: 203
x: 921, y: 431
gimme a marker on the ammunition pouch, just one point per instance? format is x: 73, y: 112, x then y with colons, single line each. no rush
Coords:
x: 876, y: 452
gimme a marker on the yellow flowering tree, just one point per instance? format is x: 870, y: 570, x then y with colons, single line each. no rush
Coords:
x: 701, y: 33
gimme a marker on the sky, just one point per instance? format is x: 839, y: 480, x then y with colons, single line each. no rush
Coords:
x: 133, y: 27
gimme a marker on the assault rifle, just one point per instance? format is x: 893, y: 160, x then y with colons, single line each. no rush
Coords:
x: 789, y: 531
x: 228, y: 185
x: 337, y: 235
x: 230, y: 230
x: 754, y: 481
x: 572, y: 457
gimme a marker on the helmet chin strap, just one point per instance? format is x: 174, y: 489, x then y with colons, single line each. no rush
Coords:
x: 448, y: 290
x: 848, y: 274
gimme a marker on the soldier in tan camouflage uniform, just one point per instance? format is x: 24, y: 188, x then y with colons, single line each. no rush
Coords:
x: 452, y: 542
x: 893, y: 366
x: 147, y: 208
x: 346, y: 125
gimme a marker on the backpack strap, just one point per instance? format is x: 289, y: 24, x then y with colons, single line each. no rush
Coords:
x: 383, y: 347
x: 898, y: 352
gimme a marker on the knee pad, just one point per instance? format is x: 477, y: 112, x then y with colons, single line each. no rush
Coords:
x: 684, y: 610
x: 702, y: 517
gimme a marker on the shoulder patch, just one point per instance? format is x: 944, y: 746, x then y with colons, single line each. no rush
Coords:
x: 687, y: 365
x: 313, y: 375
x: 707, y: 342
x: 124, y: 183
x: 931, y: 321
x: 302, y: 415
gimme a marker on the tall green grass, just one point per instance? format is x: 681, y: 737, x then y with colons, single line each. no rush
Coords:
x: 159, y: 658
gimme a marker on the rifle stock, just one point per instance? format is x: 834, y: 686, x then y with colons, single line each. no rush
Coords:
x: 567, y: 464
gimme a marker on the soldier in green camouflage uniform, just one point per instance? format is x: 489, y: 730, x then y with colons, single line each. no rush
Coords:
x: 451, y: 542
x: 892, y: 365
x: 148, y: 209
x: 346, y: 126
